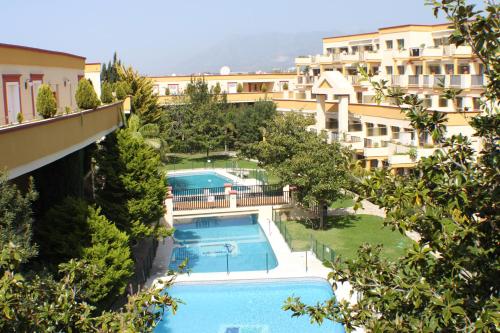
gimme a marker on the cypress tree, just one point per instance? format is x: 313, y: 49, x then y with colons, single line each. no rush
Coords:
x: 86, y: 97
x: 46, y: 104
x: 106, y: 93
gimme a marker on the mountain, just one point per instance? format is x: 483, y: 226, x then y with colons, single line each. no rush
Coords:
x: 252, y: 53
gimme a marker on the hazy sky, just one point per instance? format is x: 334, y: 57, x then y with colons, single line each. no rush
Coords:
x: 159, y: 37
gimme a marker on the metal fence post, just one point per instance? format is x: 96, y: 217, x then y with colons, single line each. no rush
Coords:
x: 306, y: 261
x: 227, y: 263
x: 267, y: 263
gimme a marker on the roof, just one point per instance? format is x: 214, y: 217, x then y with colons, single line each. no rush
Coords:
x: 34, y: 49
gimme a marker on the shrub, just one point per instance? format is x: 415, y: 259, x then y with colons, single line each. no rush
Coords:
x: 239, y: 88
x: 67, y: 110
x: 167, y: 92
x: 86, y: 97
x: 263, y: 88
x: 285, y: 86
x: 217, y: 89
x: 20, y: 117
x: 121, y: 90
x: 46, y: 104
x: 106, y: 93
x: 110, y: 255
x: 413, y: 154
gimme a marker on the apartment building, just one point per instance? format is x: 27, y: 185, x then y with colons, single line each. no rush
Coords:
x: 417, y: 58
x: 239, y: 87
x: 35, y: 142
x: 24, y: 69
x: 93, y: 73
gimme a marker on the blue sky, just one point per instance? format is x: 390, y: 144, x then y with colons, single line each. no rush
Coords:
x: 160, y: 37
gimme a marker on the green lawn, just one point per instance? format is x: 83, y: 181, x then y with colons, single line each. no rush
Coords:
x: 344, y: 234
x: 217, y: 160
x: 344, y: 202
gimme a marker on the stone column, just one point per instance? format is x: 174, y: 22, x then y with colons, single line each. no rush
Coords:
x: 232, y: 199
x: 320, y: 112
x: 343, y: 114
x: 227, y: 188
x: 169, y: 210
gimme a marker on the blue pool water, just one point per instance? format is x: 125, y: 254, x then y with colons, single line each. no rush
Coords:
x: 206, y: 179
x: 250, y: 307
x: 218, y: 244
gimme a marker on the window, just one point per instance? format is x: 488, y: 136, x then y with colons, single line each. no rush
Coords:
x: 464, y: 69
x: 449, y: 68
x: 388, y: 70
x: 418, y: 70
x: 329, y: 50
x: 156, y: 89
x: 443, y: 102
x: 359, y: 96
x: 173, y: 89
x: 438, y: 42
x: 388, y: 44
x: 476, y: 103
x: 12, y: 99
x: 375, y: 70
x: 401, y: 43
x: 401, y: 70
x: 354, y: 49
x: 427, y: 101
x: 460, y: 103
x: 434, y: 69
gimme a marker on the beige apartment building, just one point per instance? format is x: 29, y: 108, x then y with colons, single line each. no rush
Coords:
x: 24, y: 69
x: 239, y: 87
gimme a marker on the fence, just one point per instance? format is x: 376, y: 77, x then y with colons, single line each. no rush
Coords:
x: 200, y: 198
x: 220, y: 197
x: 261, y: 195
x: 322, y: 251
x: 143, y: 253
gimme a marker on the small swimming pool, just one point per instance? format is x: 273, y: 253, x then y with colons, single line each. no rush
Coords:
x: 221, y: 244
x: 191, y: 180
x: 245, y: 307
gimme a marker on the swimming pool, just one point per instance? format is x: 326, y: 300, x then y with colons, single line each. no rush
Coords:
x: 245, y: 307
x: 222, y: 244
x: 205, y: 179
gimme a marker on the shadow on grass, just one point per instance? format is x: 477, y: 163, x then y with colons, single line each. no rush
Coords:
x: 331, y: 222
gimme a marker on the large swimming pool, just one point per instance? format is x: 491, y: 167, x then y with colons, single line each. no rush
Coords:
x: 222, y: 244
x: 249, y: 307
x: 191, y: 180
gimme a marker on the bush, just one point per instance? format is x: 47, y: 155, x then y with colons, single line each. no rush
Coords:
x: 239, y: 88
x: 285, y: 86
x: 63, y: 232
x: 263, y: 88
x: 106, y: 93
x: 46, y: 104
x: 121, y: 90
x: 86, y: 97
x: 20, y: 117
x: 217, y: 89
x: 110, y: 255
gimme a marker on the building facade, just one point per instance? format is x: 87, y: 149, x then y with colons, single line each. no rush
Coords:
x: 24, y: 69
x: 239, y: 87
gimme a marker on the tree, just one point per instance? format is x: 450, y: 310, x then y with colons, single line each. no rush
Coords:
x: 16, y: 219
x: 106, y: 93
x: 86, y: 97
x: 46, y: 104
x: 63, y: 232
x: 448, y: 281
x: 109, y: 254
x: 217, y: 89
x: 250, y: 120
x: 144, y: 101
x: 38, y: 303
x: 121, y: 90
x: 131, y: 188
x: 316, y: 169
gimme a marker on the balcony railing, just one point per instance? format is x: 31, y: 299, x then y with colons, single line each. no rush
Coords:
x: 477, y: 81
x: 413, y: 80
x: 369, y: 143
x: 439, y: 80
x: 455, y: 81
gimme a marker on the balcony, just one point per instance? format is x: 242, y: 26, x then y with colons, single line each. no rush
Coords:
x: 372, y: 56
x: 303, y: 60
x: 455, y: 81
x: 355, y: 127
x: 353, y: 79
x: 28, y: 146
x: 376, y: 131
x: 439, y: 81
